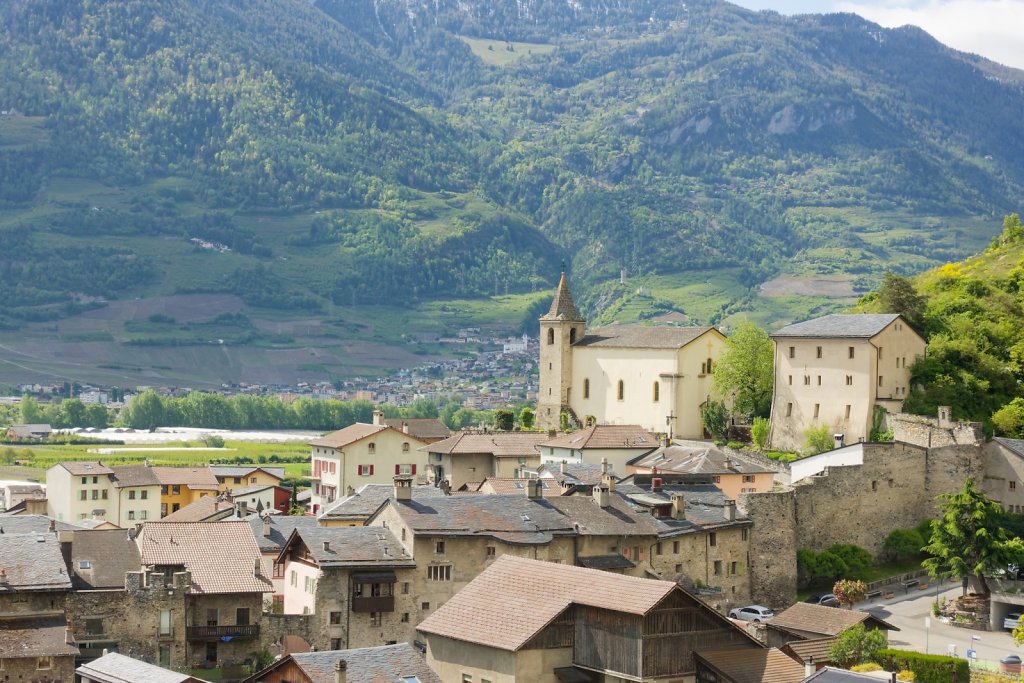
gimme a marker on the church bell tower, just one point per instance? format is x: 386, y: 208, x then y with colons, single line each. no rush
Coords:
x: 560, y: 328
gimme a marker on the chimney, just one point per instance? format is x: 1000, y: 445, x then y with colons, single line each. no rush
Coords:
x: 728, y: 462
x: 656, y: 483
x: 678, y: 506
x: 266, y: 526
x: 604, y: 466
x: 838, y: 439
x: 664, y: 442
x: 69, y: 637
x: 257, y: 566
x: 403, y: 488
x: 340, y: 671
x: 378, y: 417
x: 608, y: 481
x: 3, y: 576
x: 533, y: 488
x: 602, y: 496
x: 562, y: 466
x: 730, y: 510
x: 327, y: 546
x: 809, y: 667
x: 53, y: 525
x: 945, y: 417
x: 405, y: 427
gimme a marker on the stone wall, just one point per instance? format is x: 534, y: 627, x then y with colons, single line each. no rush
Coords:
x: 773, y: 546
x: 929, y: 432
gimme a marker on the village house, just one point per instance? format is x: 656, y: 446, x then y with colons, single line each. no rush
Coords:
x: 209, y: 508
x: 728, y: 469
x: 425, y: 429
x: 13, y: 493
x: 354, y: 510
x: 180, y: 486
x: 359, y: 454
x: 614, y: 444
x: 749, y: 666
x: 117, y: 668
x: 271, y: 533
x: 354, y: 581
x: 1004, y: 473
x: 399, y: 662
x: 837, y: 371
x: 124, y: 495
x: 527, y: 620
x: 234, y: 477
x: 135, y: 495
x: 803, y: 621
x: 470, y: 457
x: 655, y: 377
x: 29, y: 432
x: 576, y: 478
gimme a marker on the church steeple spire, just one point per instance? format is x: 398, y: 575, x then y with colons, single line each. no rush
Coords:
x: 563, y: 307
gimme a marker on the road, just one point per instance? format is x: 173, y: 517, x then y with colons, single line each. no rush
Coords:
x: 908, y: 611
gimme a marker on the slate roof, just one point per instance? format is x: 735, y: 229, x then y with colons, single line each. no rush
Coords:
x: 506, y: 485
x: 368, y: 498
x: 830, y: 674
x: 804, y: 650
x: 196, y: 478
x: 110, y: 553
x: 281, y: 527
x: 1015, y: 445
x: 206, y: 508
x: 697, y: 457
x: 33, y: 562
x: 220, y: 555
x: 24, y: 488
x: 562, y: 306
x: 705, y: 507
x: 753, y: 666
x: 117, y: 668
x: 839, y: 325
x: 605, y: 436
x: 82, y: 468
x: 384, y: 664
x: 350, y: 434
x: 640, y: 337
x: 498, y: 444
x: 35, y: 637
x: 352, y: 546
x: 618, y: 519
x: 514, y: 598
x: 828, y: 621
x: 420, y: 427
x: 605, y: 562
x: 28, y: 524
x: 134, y: 475
x: 588, y: 474
x: 245, y: 470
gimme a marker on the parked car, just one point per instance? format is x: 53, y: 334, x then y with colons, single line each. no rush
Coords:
x: 826, y: 599
x: 752, y: 613
x: 1011, y: 620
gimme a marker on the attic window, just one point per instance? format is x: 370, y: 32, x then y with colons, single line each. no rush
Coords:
x: 84, y: 564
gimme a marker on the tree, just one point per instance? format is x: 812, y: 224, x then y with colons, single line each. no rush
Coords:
x: 818, y: 439
x: 526, y: 418
x: 745, y: 372
x: 857, y: 645
x: 902, y: 544
x: 760, y: 430
x: 715, y: 418
x: 1009, y: 420
x: 849, y: 592
x: 504, y: 419
x: 968, y: 539
x: 897, y: 294
x: 146, y: 411
x: 31, y: 411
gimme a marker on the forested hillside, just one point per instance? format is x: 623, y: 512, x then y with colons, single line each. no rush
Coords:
x: 337, y: 160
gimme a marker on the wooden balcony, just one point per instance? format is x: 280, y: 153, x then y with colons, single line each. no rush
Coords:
x: 385, y: 603
x: 217, y: 632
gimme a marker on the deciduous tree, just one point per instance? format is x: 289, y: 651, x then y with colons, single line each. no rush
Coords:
x: 856, y: 645
x: 745, y: 371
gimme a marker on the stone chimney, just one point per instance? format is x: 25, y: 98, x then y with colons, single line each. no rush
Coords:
x: 728, y: 462
x: 69, y: 637
x: 608, y: 481
x: 257, y: 567
x: 241, y: 508
x: 678, y: 506
x: 403, y: 488
x: 378, y: 417
x: 602, y: 496
x: 809, y: 667
x: 604, y: 466
x: 656, y: 483
x: 533, y: 489
x: 340, y: 671
x: 838, y: 439
x: 53, y: 525
x: 730, y: 510
x: 562, y: 466
x: 664, y: 442
x: 327, y: 546
x: 945, y: 417
x: 405, y: 427
x: 3, y: 576
x: 266, y: 526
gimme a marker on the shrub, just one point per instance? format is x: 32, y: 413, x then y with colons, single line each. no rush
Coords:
x: 715, y: 417
x: 868, y: 666
x: 818, y: 439
x: 849, y: 592
x: 857, y: 645
x: 902, y: 544
x: 926, y: 668
x: 855, y: 557
x: 759, y: 432
x: 906, y: 675
x: 214, y: 441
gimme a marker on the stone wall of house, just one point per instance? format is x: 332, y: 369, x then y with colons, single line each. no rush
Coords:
x: 275, y: 627
x: 930, y: 432
x: 773, y: 546
x: 60, y: 669
x: 719, y: 572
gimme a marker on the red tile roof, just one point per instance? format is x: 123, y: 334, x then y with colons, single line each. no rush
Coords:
x: 498, y: 444
x: 753, y: 666
x: 828, y: 621
x: 606, y: 436
x: 199, y: 478
x: 348, y: 435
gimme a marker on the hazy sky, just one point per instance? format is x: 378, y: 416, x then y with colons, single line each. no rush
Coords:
x: 991, y: 28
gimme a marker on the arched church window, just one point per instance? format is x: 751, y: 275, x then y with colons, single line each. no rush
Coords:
x: 657, y: 391
x: 586, y: 388
x: 622, y: 390
x: 551, y: 335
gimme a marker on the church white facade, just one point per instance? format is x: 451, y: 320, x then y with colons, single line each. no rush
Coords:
x: 655, y: 377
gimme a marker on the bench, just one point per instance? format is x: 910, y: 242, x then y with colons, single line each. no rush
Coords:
x: 873, y: 594
x: 907, y: 585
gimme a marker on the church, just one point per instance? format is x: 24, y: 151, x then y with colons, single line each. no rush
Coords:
x: 654, y: 377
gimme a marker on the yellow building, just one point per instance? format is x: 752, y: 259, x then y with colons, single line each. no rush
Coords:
x: 235, y: 477
x: 836, y: 370
x: 654, y: 377
x: 180, y: 486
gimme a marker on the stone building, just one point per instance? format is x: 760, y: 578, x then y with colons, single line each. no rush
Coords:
x: 1004, y: 473
x: 836, y: 371
x: 614, y: 444
x: 117, y: 668
x: 729, y: 470
x: 271, y: 533
x: 467, y: 458
x: 355, y: 509
x: 655, y: 377
x: 398, y: 662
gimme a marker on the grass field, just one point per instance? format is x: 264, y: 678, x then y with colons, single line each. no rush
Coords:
x: 502, y: 52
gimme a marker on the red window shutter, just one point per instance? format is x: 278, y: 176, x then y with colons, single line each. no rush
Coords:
x: 360, y: 470
x: 414, y: 469
x: 398, y: 469
x: 371, y: 470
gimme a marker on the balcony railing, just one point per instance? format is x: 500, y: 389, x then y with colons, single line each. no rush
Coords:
x: 374, y: 604
x: 217, y: 632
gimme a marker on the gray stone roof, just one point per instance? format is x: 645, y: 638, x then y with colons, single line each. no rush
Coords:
x: 640, y: 337
x: 117, y: 668
x: 840, y: 325
x: 385, y: 664
x: 562, y: 306
x: 1015, y: 445
x: 830, y: 674
x: 697, y: 457
x: 705, y: 507
x: 101, y: 557
x: 353, y: 547
x: 281, y: 527
x: 28, y: 524
x: 244, y: 470
x: 618, y: 519
x: 134, y: 475
x: 511, y: 518
x: 365, y: 501
x: 588, y: 474
x: 32, y: 562
x: 35, y: 637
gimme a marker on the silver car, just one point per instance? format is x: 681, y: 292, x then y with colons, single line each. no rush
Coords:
x: 756, y: 613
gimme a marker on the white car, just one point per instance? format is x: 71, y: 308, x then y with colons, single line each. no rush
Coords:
x: 755, y: 613
x: 1011, y: 620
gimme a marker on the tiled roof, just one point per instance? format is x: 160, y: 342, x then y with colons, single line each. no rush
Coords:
x: 805, y: 650
x: 605, y: 562
x: 220, y: 555
x: 516, y: 486
x: 512, y: 518
x: 705, y: 507
x: 192, y: 477
x: 840, y: 325
x: 588, y: 474
x: 828, y: 621
x: 350, y: 434
x: 605, y: 436
x: 640, y: 337
x: 498, y: 444
x: 514, y: 598
x: 367, y: 498
x: 281, y: 527
x: 134, y: 475
x: 420, y: 427
x: 24, y: 488
x: 101, y: 557
x: 1015, y: 445
x: 117, y: 668
x: 830, y: 674
x: 562, y: 306
x: 255, y: 488
x: 353, y: 546
x: 35, y: 637
x: 33, y: 562
x: 28, y: 524
x: 385, y: 664
x: 753, y: 666
x: 618, y: 519
x: 697, y: 457
x: 82, y: 468
x: 245, y: 470
x: 206, y: 508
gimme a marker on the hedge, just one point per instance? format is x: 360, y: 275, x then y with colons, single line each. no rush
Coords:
x: 927, y: 668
